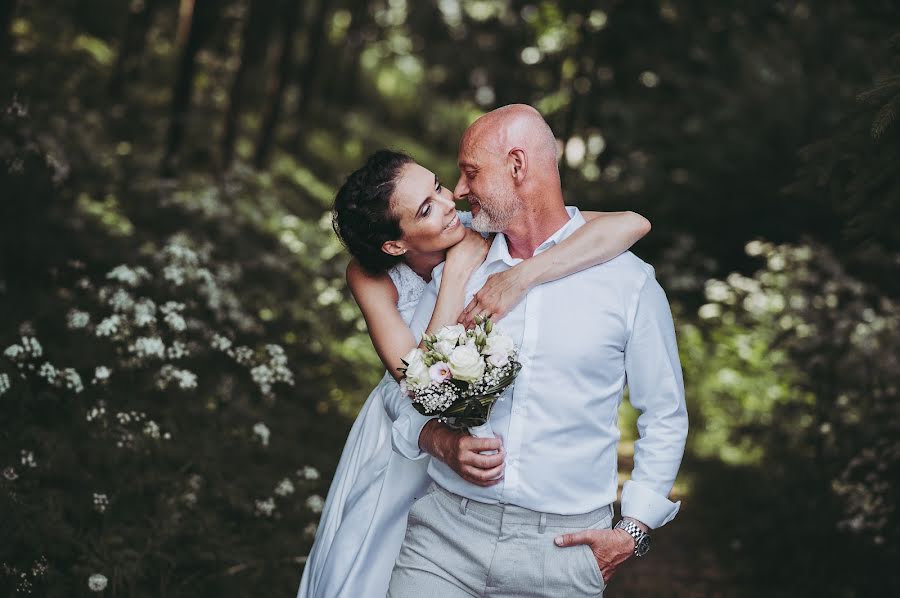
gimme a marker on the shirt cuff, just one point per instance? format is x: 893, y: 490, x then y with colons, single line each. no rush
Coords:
x: 405, y: 433
x: 646, y: 505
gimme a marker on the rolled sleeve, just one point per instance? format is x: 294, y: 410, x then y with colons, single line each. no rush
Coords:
x: 656, y: 389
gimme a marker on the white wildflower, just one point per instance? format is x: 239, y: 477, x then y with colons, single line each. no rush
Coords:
x: 315, y: 503
x: 72, y: 380
x: 77, y: 319
x: 100, y: 502
x: 48, y: 372
x: 174, y: 274
x: 144, y: 312
x: 265, y: 507
x: 285, y: 487
x: 28, y: 459
x: 95, y: 412
x: 220, y: 343
x: 186, y: 379
x: 4, y: 384
x: 121, y: 301
x: 109, y: 326
x: 242, y: 355
x: 262, y: 431
x: 128, y: 276
x: 147, y: 346
x: 308, y: 472
x: 172, y: 311
x: 32, y: 346
x: 151, y: 430
x: 177, y: 350
x: 13, y: 352
x: 97, y: 582
x: 101, y: 374
x: 10, y: 474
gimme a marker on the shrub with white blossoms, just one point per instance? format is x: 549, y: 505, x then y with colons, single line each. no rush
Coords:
x: 461, y: 373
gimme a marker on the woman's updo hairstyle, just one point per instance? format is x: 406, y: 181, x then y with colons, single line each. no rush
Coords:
x: 362, y: 215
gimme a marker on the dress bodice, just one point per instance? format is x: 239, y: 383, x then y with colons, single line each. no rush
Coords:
x: 409, y: 289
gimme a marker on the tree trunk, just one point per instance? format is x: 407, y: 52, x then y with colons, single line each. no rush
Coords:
x: 315, y: 44
x: 251, y: 52
x: 277, y: 85
x: 201, y: 19
x: 7, y: 12
x: 131, y: 49
x: 345, y: 89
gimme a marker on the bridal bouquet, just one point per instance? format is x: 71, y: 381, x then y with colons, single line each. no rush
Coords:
x: 461, y: 374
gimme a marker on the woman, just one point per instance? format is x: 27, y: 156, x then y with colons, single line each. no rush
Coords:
x: 399, y: 222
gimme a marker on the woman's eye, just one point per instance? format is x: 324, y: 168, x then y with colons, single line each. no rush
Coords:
x: 426, y: 210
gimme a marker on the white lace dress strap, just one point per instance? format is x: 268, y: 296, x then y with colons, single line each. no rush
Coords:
x: 409, y: 289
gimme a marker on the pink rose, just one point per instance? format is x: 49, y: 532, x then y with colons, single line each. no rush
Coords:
x: 439, y: 372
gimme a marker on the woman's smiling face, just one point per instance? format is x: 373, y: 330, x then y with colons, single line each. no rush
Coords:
x: 426, y: 212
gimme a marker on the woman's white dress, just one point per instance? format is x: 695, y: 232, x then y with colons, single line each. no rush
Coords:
x: 364, y: 519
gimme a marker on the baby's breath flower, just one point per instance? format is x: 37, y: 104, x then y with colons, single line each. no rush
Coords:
x: 4, y: 384
x: 285, y: 487
x: 310, y: 530
x: 97, y: 582
x: 315, y: 503
x: 186, y: 380
x: 262, y: 431
x: 10, y: 474
x: 77, y: 319
x: 101, y: 374
x: 265, y: 507
x: 101, y: 501
x: 308, y: 472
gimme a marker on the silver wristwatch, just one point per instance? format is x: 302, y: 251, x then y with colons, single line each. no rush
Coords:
x: 641, y: 538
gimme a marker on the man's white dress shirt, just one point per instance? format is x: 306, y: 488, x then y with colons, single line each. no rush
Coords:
x: 580, y: 338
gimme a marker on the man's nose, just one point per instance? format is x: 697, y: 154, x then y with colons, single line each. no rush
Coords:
x: 462, y: 189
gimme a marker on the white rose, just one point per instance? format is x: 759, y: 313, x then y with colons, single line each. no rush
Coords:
x: 445, y: 348
x: 498, y: 360
x: 466, y: 364
x: 417, y: 372
x: 499, y: 343
x: 451, y: 333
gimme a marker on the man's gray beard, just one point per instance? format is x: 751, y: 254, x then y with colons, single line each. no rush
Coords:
x: 495, y: 222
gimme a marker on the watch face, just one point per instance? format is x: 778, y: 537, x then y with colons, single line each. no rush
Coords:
x: 643, y: 546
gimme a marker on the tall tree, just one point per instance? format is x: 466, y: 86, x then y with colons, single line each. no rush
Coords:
x: 252, y: 50
x: 278, y: 83
x: 128, y: 61
x: 7, y: 11
x: 201, y: 16
x: 315, y: 44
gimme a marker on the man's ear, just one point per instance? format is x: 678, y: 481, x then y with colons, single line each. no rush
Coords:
x: 395, y: 248
x: 518, y: 164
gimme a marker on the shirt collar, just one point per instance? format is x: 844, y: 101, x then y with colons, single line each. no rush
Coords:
x: 499, y: 250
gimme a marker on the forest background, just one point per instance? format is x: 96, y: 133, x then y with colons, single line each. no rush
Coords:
x: 181, y: 359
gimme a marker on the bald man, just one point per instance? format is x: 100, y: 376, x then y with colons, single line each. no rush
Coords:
x: 544, y: 527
